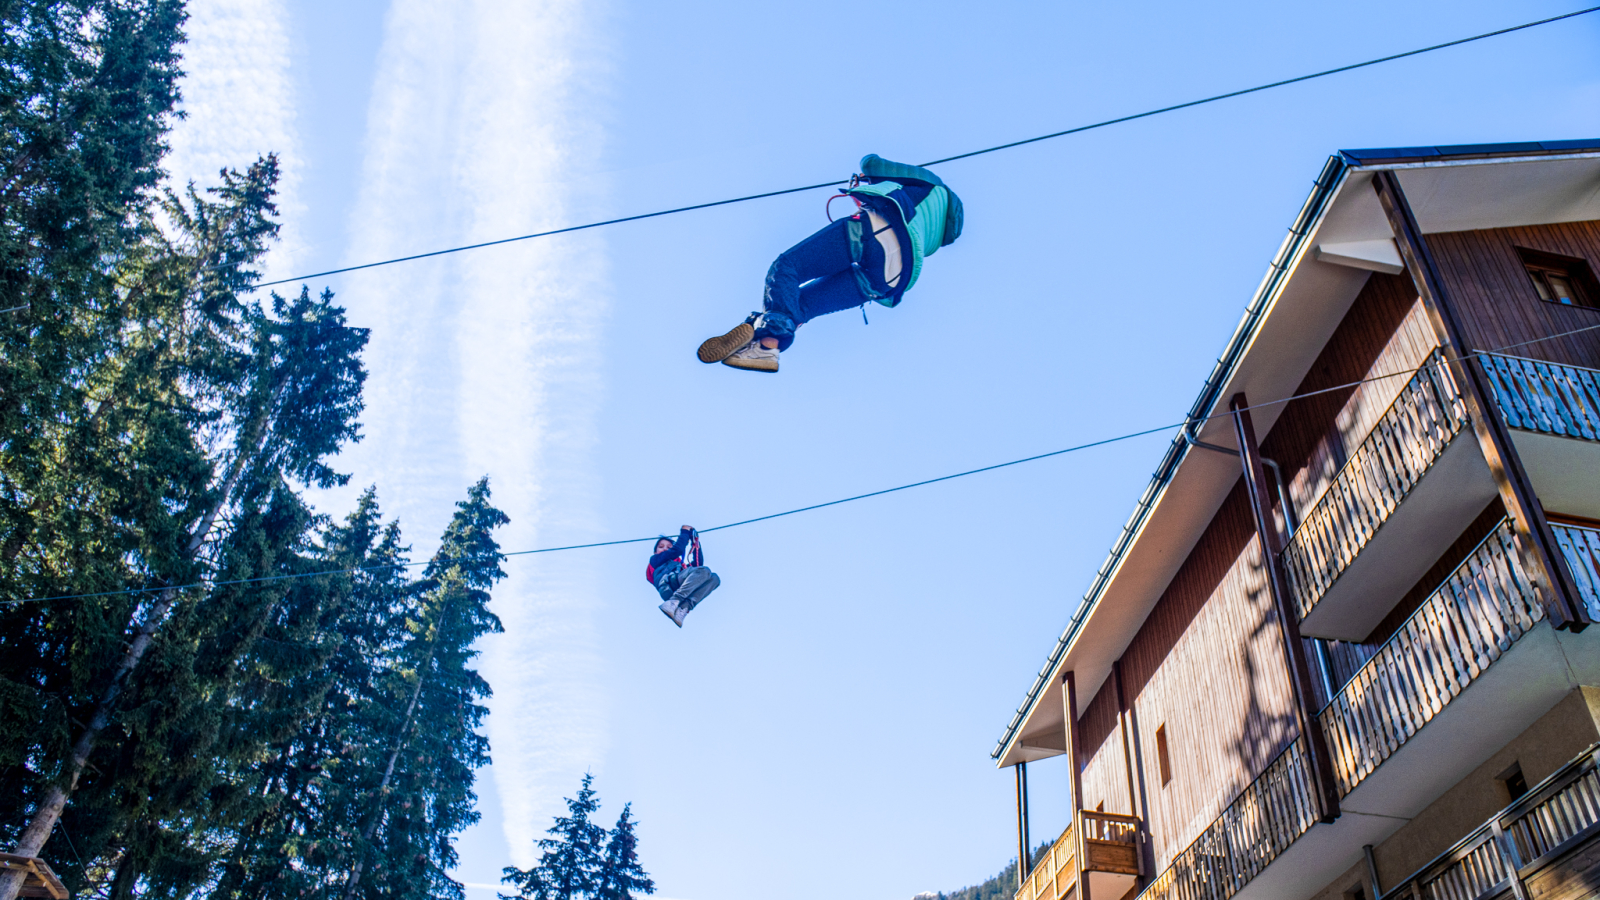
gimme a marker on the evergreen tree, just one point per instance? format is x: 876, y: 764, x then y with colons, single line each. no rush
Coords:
x: 621, y: 875
x: 571, y: 859
x: 85, y: 89
x: 419, y: 791
x: 207, y: 413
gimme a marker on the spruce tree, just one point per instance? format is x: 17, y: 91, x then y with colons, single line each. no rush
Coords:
x: 570, y: 860
x: 308, y: 785
x: 418, y: 793
x: 621, y: 875
x: 208, y: 415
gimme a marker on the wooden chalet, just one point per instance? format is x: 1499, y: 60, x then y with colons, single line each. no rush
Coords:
x: 1342, y: 649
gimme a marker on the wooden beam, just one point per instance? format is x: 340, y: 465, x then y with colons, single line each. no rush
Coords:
x: 1541, y: 554
x: 1136, y: 801
x: 1069, y: 706
x: 1324, y: 787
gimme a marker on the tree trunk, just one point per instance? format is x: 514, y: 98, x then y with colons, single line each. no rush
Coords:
x: 49, y: 811
x: 388, y: 770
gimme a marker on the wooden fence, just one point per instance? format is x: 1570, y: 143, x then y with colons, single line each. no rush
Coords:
x: 1268, y: 816
x: 1581, y: 547
x: 1055, y: 873
x: 1485, y: 605
x: 1558, y: 815
x: 1546, y: 397
x: 1404, y: 443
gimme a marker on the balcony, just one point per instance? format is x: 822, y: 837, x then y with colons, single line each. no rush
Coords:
x: 1383, y: 519
x: 1526, y: 844
x: 1473, y: 646
x: 1107, y: 844
x: 1463, y: 627
x: 1554, y: 413
x: 1581, y: 547
x: 1256, y: 828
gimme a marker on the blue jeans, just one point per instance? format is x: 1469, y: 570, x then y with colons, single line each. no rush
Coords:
x: 814, y: 278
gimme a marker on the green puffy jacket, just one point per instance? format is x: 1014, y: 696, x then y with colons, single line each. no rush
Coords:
x: 932, y: 224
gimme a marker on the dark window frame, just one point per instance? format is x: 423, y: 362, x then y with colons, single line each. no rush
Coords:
x: 1514, y: 782
x: 1541, y: 266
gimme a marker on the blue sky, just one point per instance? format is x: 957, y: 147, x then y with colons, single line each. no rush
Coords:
x: 822, y: 725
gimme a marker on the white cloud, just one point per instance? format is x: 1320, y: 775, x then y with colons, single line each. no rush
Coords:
x: 239, y: 97
x: 487, y: 362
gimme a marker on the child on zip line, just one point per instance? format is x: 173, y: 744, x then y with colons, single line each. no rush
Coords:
x: 906, y: 213
x: 682, y: 583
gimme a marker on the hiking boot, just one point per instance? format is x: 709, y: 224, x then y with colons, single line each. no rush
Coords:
x: 754, y: 357
x: 673, y: 611
x: 722, y: 346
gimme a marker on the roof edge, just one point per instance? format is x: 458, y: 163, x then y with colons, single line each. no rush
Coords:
x: 1327, y: 182
x: 1379, y: 156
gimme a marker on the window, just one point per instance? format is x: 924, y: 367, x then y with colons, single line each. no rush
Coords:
x: 1162, y: 758
x: 1356, y: 893
x: 1561, y: 279
x: 1515, y: 782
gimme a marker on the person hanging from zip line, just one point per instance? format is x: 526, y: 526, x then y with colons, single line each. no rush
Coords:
x: 681, y: 581
x: 906, y: 214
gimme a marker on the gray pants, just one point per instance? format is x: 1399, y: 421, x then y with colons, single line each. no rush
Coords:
x: 698, y: 581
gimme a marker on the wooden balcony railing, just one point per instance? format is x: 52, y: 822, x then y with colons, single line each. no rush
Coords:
x: 1410, y: 436
x: 1535, y: 395
x: 1056, y: 872
x: 1110, y: 842
x: 1581, y: 547
x: 1485, y: 605
x: 1560, y: 814
x: 1103, y: 842
x: 1268, y: 816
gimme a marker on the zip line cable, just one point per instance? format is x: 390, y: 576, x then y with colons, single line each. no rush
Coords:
x: 1033, y: 140
x: 815, y: 506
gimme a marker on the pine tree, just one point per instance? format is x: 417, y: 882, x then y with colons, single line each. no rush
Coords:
x: 571, y: 859
x: 206, y: 414
x: 621, y: 875
x: 420, y: 794
x: 308, y: 784
x: 87, y: 88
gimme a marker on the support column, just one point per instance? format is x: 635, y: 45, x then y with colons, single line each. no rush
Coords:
x: 1136, y: 802
x: 1023, y: 857
x: 1069, y: 706
x: 1324, y: 788
x: 1541, y: 554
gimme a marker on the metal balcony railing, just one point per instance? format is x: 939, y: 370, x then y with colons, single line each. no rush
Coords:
x: 1581, y: 547
x: 1466, y: 624
x: 1559, y: 815
x: 1096, y: 841
x: 1546, y: 397
x: 1404, y: 443
x: 1268, y: 816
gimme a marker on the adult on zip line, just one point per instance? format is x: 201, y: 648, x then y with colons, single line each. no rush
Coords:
x: 905, y: 213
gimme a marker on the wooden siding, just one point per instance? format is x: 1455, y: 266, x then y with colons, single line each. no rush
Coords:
x: 1105, y: 773
x: 1208, y: 665
x: 1386, y: 331
x: 1484, y: 275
